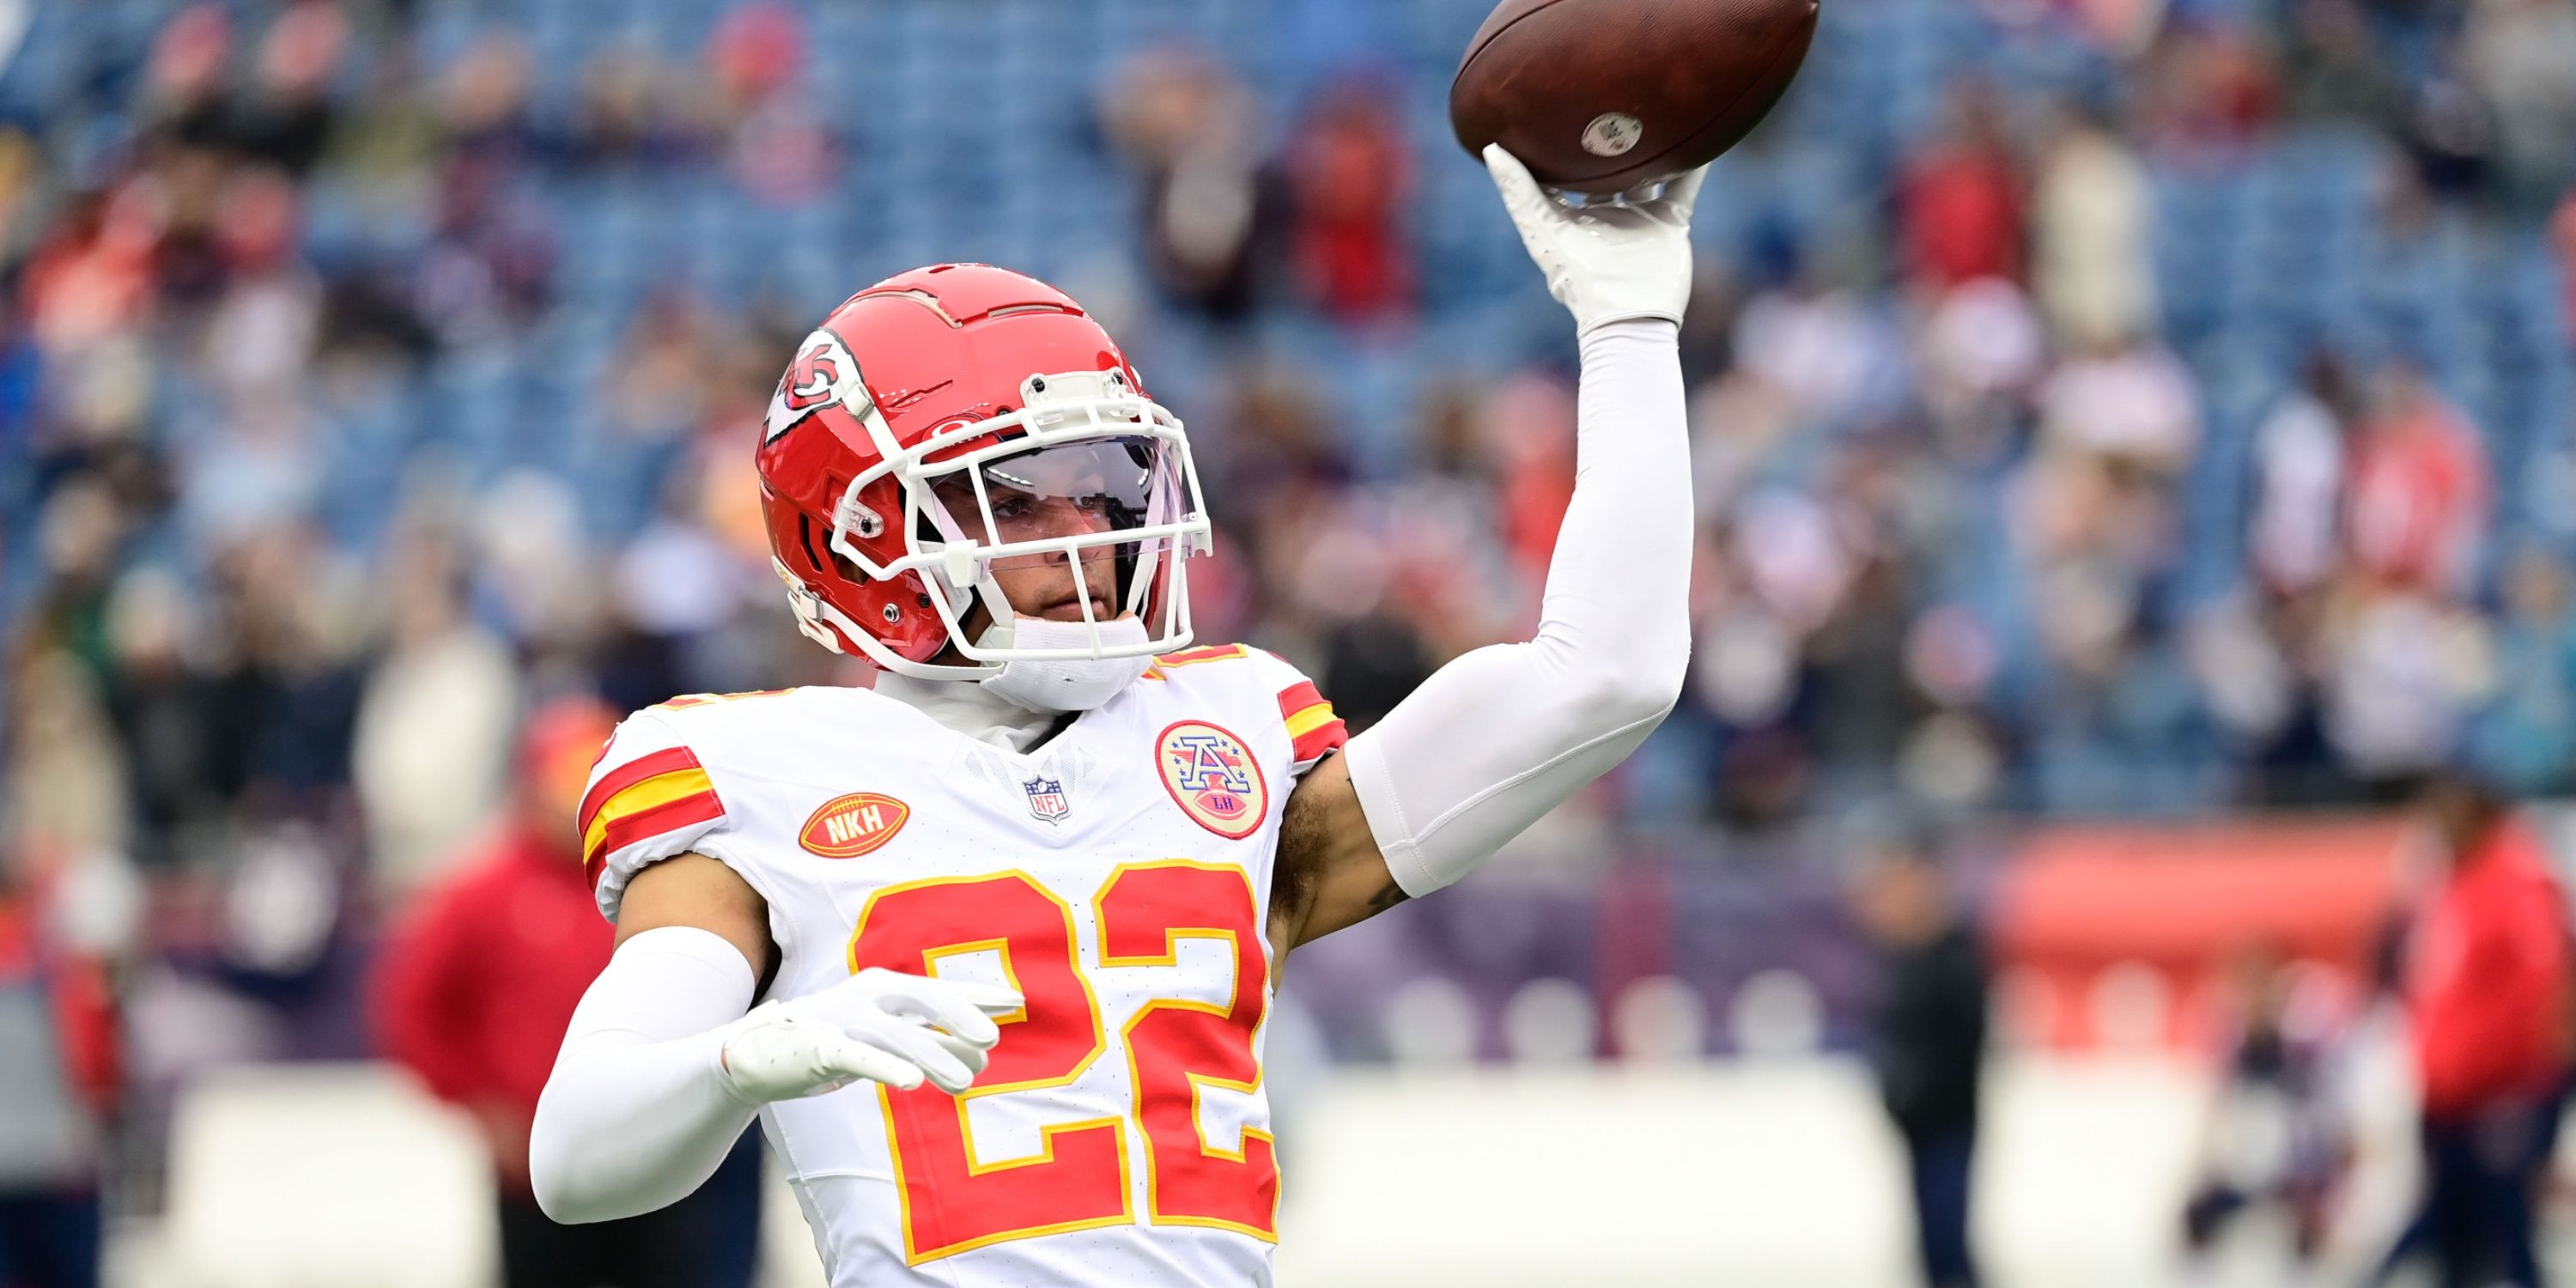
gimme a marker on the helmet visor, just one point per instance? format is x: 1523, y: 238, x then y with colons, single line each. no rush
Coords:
x: 1097, y: 510
x: 1051, y: 495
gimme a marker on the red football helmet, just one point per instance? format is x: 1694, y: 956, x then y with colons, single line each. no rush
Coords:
x: 955, y: 419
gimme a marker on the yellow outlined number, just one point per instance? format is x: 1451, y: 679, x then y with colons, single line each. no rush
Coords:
x: 1078, y: 1179
x: 1176, y: 1048
x: 952, y: 1201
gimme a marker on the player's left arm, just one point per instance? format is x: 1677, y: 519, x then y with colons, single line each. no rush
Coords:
x: 1330, y: 873
x: 1504, y: 734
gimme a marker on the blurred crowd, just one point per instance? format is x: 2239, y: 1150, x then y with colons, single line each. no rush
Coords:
x: 1958, y: 486
x: 280, y: 574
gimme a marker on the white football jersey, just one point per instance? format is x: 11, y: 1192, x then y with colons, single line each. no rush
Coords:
x: 1118, y: 876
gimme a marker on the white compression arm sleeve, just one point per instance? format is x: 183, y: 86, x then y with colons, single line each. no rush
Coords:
x: 1506, y: 733
x: 637, y: 1113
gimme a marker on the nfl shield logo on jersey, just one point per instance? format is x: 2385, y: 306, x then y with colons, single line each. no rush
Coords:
x: 1046, y: 799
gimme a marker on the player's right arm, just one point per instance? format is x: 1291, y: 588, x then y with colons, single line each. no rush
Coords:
x: 666, y: 1059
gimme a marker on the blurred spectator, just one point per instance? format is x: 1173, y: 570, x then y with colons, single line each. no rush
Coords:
x: 1190, y: 131
x: 2299, y: 469
x: 2450, y: 133
x: 782, y: 150
x: 182, y: 99
x: 473, y: 992
x: 1961, y: 197
x: 1829, y: 351
x: 2487, y: 984
x: 2210, y: 91
x: 2330, y: 68
x: 92, y: 274
x: 2420, y: 496
x: 289, y: 115
x: 2526, y: 736
x: 65, y: 774
x: 634, y: 111
x: 483, y: 100
x: 261, y: 332
x: 2124, y: 402
x: 1980, y: 351
x: 1350, y: 185
x: 2400, y: 674
x: 433, y: 726
x: 1928, y: 1039
x: 2520, y: 55
x: 2089, y: 235
x: 2278, y: 1136
x: 2098, y: 521
x: 61, y: 1059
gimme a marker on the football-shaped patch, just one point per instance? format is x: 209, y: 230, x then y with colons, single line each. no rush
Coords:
x: 846, y: 827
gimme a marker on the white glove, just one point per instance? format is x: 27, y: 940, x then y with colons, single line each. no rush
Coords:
x: 877, y: 1025
x: 1605, y: 262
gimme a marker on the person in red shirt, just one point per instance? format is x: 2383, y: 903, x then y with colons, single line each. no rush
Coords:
x: 2419, y: 495
x: 1960, y: 200
x: 2487, y: 986
x: 1350, y: 173
x: 473, y: 992
x: 61, y: 1080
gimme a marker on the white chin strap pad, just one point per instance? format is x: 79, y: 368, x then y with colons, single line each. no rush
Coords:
x: 1072, y: 684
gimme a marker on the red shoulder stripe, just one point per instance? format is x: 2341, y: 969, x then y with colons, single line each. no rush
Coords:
x: 627, y: 775
x: 697, y: 807
x: 1323, y: 738
x: 1205, y: 653
x: 1297, y: 697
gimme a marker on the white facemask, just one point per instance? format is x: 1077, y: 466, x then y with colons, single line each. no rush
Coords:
x: 1077, y: 684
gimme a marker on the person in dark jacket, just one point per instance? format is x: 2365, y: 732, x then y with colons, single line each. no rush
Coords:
x: 1929, y: 1039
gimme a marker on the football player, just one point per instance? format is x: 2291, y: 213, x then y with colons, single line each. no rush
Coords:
x: 988, y: 948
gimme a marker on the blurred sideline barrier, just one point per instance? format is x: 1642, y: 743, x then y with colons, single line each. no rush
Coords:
x: 321, y: 1176
x: 2109, y: 938
x: 2119, y: 936
x: 1777, y: 1172
x: 346, y: 1176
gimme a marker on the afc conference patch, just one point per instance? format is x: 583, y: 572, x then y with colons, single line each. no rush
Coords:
x: 1046, y: 800
x: 1212, y: 776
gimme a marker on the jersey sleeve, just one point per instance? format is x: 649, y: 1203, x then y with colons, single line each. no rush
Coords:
x: 649, y: 799
x: 1314, y: 732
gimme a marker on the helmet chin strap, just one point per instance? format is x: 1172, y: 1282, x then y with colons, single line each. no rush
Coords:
x: 1075, y: 684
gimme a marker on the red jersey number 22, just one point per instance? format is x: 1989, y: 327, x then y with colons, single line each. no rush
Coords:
x: 953, y: 1197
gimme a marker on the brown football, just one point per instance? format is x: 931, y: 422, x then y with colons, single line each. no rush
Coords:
x: 1603, y: 95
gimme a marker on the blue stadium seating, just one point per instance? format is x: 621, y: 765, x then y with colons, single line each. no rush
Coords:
x: 2257, y: 262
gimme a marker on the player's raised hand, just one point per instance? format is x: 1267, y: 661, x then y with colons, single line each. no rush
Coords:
x: 1605, y: 261
x: 878, y: 1026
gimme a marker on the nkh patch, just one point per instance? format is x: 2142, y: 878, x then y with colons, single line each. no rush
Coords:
x: 848, y: 826
x: 1046, y: 800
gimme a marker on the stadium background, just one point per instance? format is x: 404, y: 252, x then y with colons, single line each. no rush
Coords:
x: 2131, y: 428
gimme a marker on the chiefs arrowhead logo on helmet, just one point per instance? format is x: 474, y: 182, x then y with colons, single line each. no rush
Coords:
x: 823, y: 375
x: 810, y: 381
